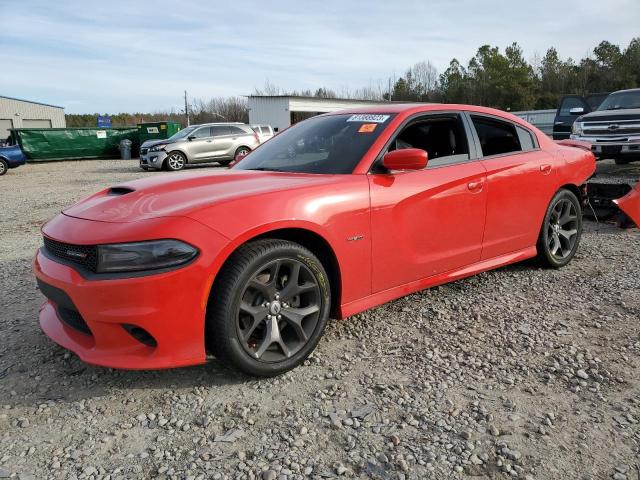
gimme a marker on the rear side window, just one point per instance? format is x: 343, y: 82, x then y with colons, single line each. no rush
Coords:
x: 527, y: 142
x: 266, y: 131
x: 496, y: 137
x: 218, y: 130
x: 237, y: 130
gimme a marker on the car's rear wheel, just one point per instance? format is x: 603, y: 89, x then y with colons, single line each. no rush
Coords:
x: 241, y: 152
x: 175, y: 161
x: 224, y: 163
x: 561, y: 230
x: 4, y: 166
x: 269, y: 306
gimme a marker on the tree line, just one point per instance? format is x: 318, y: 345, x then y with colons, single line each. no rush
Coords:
x: 504, y: 80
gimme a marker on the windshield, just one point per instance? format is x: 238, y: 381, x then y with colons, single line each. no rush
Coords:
x: 333, y: 144
x: 182, y: 133
x: 621, y: 100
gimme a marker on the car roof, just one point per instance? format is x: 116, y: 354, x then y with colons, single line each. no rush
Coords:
x: 217, y: 123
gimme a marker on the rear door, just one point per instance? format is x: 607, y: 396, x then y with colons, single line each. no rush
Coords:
x: 222, y: 142
x: 428, y: 221
x: 564, y: 117
x: 519, y: 184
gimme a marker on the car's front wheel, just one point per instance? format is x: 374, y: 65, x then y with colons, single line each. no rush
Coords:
x: 175, y: 161
x: 561, y: 230
x: 268, y: 308
x: 4, y: 166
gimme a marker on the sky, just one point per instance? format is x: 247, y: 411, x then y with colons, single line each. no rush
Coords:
x: 140, y: 56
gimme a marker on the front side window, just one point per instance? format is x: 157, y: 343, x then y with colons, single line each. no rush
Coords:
x: 203, y: 132
x: 570, y: 102
x: 441, y: 136
x: 332, y: 144
x: 496, y: 137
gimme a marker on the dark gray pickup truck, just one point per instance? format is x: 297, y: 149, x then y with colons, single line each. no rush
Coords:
x: 613, y: 129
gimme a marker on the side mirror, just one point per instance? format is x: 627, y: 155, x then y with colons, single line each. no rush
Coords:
x: 191, y: 137
x: 576, y: 111
x: 405, y: 159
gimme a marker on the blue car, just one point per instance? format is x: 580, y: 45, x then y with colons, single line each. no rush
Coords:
x: 11, y: 157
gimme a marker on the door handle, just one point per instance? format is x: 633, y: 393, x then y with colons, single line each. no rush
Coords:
x: 475, y: 186
x: 545, y: 169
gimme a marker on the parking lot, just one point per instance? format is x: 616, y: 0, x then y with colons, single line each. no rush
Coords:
x: 521, y: 372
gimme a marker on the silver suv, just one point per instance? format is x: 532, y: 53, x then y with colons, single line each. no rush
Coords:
x: 210, y: 142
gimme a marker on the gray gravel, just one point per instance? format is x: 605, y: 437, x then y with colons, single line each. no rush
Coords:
x: 521, y: 372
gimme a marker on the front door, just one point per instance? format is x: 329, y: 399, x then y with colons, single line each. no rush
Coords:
x: 429, y: 221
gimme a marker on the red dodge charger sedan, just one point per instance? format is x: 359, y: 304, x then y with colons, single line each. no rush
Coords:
x: 337, y: 214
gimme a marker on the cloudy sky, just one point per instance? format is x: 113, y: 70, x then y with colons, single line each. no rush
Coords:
x: 131, y: 56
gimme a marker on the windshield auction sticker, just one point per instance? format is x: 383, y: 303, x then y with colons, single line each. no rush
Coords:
x: 367, y: 127
x: 368, y: 117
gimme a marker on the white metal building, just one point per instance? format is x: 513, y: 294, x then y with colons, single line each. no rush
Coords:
x: 16, y: 113
x: 281, y: 111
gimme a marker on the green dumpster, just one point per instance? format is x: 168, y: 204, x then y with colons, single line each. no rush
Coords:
x: 157, y: 130
x: 45, y: 144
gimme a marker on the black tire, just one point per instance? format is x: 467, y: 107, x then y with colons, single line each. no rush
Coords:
x: 561, y: 230
x: 4, y: 166
x: 241, y: 150
x: 146, y: 169
x: 175, y: 161
x: 224, y: 163
x: 621, y: 161
x: 255, y: 349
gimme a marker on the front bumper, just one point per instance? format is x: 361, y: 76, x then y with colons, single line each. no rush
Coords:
x: 153, y: 159
x: 607, y: 147
x: 102, y: 320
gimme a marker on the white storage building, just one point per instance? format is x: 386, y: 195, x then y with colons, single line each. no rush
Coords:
x: 282, y: 111
x: 16, y: 113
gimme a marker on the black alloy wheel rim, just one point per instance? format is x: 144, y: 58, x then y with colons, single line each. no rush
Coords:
x: 242, y: 152
x: 279, y: 310
x: 562, y: 229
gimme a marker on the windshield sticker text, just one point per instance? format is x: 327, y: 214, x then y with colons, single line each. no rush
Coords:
x: 368, y: 117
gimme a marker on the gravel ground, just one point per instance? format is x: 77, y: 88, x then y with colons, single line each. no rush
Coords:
x: 520, y: 372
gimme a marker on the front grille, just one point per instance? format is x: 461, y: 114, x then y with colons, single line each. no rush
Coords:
x: 612, y: 128
x: 84, y: 255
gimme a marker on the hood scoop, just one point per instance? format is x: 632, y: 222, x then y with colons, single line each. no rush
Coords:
x: 119, y: 191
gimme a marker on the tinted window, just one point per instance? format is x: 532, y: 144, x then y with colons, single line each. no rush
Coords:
x: 237, y: 130
x: 330, y: 144
x: 620, y: 100
x: 527, y: 141
x: 496, y: 137
x: 218, y: 130
x: 570, y: 102
x: 442, y: 137
x: 202, y: 132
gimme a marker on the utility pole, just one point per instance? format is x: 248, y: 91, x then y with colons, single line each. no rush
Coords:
x: 186, y: 108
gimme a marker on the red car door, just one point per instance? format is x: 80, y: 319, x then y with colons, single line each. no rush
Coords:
x: 519, y: 186
x: 428, y: 221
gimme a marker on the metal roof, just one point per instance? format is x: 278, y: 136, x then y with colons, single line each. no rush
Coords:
x: 305, y: 97
x: 31, y: 101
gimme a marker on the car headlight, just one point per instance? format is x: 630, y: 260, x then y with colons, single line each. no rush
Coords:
x: 150, y: 255
x: 157, y: 148
x: 576, y: 129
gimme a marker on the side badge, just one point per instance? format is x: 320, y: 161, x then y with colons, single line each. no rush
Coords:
x: 355, y: 238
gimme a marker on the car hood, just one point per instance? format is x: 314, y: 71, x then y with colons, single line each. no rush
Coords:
x: 181, y: 194
x: 611, y: 115
x: 152, y: 143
